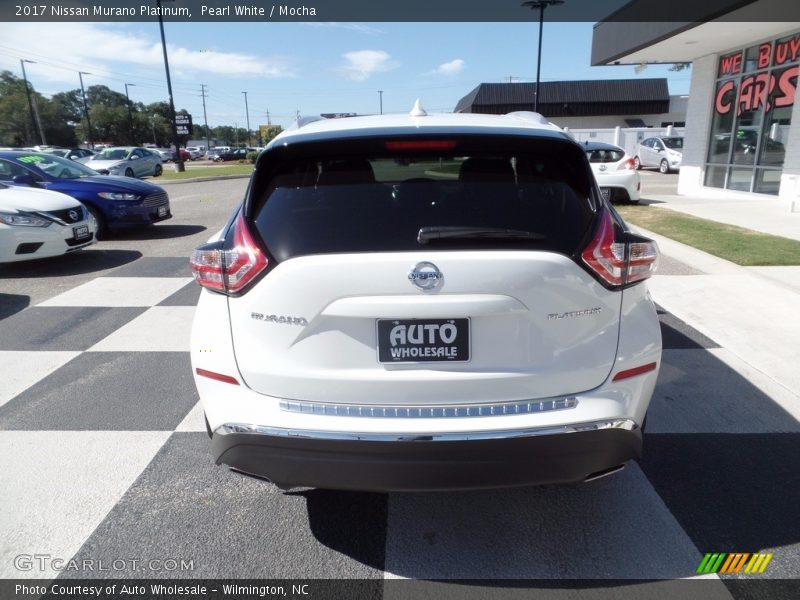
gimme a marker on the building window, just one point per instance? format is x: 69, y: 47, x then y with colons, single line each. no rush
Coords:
x: 752, y: 114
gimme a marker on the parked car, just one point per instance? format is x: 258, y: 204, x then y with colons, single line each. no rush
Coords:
x: 195, y: 152
x: 129, y: 161
x: 40, y: 223
x: 81, y: 155
x: 115, y: 202
x: 369, y: 321
x: 664, y: 153
x: 615, y: 172
x: 234, y: 154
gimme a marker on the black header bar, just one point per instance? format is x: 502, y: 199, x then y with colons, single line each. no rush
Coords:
x: 630, y: 11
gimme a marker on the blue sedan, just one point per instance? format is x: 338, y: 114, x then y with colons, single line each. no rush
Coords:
x: 115, y: 202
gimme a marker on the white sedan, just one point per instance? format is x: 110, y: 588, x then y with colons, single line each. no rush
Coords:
x: 614, y: 171
x: 38, y: 223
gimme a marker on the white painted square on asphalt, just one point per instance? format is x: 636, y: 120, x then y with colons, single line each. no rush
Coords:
x: 159, y: 329
x: 56, y: 487
x: 194, y: 421
x: 614, y: 528
x: 20, y: 370
x: 120, y: 291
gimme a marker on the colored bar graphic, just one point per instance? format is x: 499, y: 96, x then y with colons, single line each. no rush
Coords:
x: 721, y: 562
x: 735, y: 562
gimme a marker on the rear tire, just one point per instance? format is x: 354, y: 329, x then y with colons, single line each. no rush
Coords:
x: 637, y: 164
x: 663, y: 168
x: 158, y: 171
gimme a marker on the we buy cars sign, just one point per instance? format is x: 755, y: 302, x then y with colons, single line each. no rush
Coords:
x: 183, y: 124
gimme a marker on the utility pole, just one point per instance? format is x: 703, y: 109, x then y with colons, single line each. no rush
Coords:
x: 177, y: 157
x: 541, y: 5
x: 268, y: 121
x: 130, y: 114
x: 380, y: 96
x: 22, y: 62
x: 247, y: 110
x: 205, y: 119
x: 86, y: 110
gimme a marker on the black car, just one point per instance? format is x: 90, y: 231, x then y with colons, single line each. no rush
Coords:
x: 233, y: 154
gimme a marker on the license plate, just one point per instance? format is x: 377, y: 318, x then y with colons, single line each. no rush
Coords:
x: 606, y: 192
x: 81, y: 231
x: 423, y: 340
x: 162, y: 211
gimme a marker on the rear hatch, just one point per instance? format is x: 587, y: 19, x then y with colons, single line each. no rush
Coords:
x: 420, y: 271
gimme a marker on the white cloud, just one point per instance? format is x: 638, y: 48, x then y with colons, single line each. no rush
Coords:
x: 360, y: 65
x: 454, y: 67
x: 103, y: 50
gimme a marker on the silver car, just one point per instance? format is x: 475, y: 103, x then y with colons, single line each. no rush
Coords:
x: 129, y: 161
x: 664, y: 153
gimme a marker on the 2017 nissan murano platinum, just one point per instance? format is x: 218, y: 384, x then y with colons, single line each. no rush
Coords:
x: 420, y: 302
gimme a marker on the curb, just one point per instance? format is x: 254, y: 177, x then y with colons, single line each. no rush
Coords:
x: 199, y: 179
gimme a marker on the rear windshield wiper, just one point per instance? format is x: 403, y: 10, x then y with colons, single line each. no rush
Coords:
x: 426, y: 234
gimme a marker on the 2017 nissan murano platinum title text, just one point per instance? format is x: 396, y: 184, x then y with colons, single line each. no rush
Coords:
x: 423, y: 302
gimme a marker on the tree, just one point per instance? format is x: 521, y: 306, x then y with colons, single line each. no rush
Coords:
x: 15, y: 120
x: 56, y: 116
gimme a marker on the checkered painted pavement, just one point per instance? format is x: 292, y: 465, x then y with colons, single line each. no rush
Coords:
x: 105, y: 456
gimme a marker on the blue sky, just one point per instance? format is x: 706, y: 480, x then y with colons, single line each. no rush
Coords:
x: 313, y: 68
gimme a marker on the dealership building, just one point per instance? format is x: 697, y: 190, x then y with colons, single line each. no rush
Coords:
x: 742, y: 121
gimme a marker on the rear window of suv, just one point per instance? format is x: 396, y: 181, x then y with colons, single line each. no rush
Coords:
x: 605, y: 155
x: 375, y: 195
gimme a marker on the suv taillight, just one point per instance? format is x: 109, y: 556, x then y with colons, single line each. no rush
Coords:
x: 620, y: 259
x: 229, y: 270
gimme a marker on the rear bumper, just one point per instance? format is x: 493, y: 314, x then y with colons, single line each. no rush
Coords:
x: 408, y: 462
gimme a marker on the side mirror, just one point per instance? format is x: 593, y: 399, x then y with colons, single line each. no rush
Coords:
x: 133, y: 157
x: 24, y: 179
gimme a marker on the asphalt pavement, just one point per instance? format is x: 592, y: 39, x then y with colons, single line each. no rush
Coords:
x: 106, y: 457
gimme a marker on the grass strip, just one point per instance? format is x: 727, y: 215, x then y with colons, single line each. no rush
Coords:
x: 190, y: 173
x: 739, y: 245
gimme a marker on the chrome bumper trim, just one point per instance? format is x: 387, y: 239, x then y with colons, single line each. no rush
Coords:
x: 428, y: 412
x: 233, y: 428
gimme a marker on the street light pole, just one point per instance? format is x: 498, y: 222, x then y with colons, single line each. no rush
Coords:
x: 205, y: 119
x: 541, y: 5
x: 247, y: 111
x: 177, y: 157
x: 22, y: 62
x: 86, y: 110
x: 380, y: 96
x: 130, y: 114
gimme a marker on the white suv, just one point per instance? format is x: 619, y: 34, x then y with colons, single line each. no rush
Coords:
x: 424, y: 303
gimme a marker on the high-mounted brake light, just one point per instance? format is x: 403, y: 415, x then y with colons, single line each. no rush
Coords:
x: 229, y: 270
x: 416, y: 145
x: 619, y: 263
